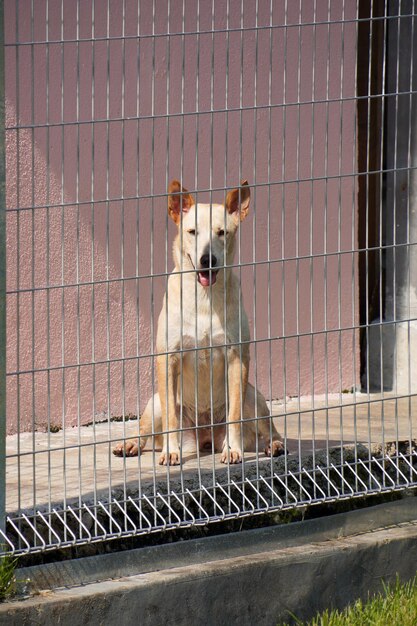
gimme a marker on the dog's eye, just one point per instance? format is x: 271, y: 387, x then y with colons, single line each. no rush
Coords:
x: 221, y: 233
x: 191, y: 231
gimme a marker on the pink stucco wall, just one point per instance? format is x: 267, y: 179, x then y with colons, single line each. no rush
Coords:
x: 83, y: 172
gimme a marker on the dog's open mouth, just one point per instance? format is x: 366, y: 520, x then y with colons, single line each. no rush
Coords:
x: 207, y: 277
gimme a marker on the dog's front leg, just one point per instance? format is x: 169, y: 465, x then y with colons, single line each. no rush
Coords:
x: 167, y: 372
x: 238, y: 370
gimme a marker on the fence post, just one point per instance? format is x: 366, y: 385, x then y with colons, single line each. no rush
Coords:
x: 400, y: 210
x: 2, y: 281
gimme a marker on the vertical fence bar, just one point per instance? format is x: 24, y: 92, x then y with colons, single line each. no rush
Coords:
x: 2, y: 281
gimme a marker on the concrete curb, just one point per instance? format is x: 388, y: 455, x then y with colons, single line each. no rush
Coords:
x: 251, y: 577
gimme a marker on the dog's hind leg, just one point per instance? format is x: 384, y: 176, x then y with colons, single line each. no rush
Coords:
x: 263, y: 426
x: 149, y: 423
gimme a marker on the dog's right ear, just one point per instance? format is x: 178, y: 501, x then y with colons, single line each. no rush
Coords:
x: 178, y: 200
x: 237, y: 202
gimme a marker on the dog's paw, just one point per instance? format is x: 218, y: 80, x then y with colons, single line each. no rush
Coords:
x: 231, y: 455
x: 173, y: 458
x: 275, y: 448
x: 128, y: 448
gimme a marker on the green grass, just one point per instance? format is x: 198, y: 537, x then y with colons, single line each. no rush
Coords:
x: 7, y: 576
x: 396, y: 606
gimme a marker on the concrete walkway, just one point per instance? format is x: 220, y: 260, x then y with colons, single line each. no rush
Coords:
x: 252, y: 577
x: 49, y: 468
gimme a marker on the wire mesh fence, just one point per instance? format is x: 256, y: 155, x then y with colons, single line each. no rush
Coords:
x: 210, y: 242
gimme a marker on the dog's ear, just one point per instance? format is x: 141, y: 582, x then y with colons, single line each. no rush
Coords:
x: 238, y: 200
x: 178, y: 200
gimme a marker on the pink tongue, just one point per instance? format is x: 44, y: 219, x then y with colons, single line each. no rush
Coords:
x: 205, y: 278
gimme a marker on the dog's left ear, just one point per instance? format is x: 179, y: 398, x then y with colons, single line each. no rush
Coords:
x: 178, y: 200
x: 238, y: 200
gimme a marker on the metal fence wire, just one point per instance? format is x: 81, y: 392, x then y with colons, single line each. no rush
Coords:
x: 128, y: 130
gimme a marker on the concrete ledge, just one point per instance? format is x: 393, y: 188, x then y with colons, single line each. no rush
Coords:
x: 251, y: 577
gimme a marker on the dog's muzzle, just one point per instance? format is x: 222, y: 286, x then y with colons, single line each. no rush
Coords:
x: 207, y: 275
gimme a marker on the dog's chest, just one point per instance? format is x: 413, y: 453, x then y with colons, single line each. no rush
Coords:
x: 205, y: 330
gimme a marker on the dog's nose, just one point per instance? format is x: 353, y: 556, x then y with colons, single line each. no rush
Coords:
x: 205, y: 260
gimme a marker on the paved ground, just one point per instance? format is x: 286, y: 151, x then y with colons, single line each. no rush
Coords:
x: 295, y: 568
x: 53, y: 467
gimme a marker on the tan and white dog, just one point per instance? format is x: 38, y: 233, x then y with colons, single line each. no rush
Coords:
x: 202, y: 309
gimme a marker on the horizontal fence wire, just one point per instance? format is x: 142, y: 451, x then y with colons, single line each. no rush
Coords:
x: 98, y: 201
x: 241, y: 29
x: 135, y: 343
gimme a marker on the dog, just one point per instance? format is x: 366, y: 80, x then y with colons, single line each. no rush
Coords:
x: 203, y: 342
